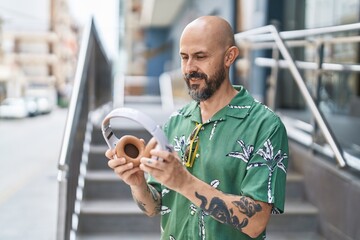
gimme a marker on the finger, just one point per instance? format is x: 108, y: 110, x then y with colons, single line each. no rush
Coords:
x: 121, y: 169
x: 127, y: 174
x: 152, y: 163
x: 164, y: 155
x: 149, y: 168
x: 110, y: 153
x: 113, y: 163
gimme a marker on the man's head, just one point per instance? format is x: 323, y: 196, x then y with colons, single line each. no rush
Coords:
x: 207, y: 50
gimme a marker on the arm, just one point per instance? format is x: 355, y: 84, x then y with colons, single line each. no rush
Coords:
x: 243, y: 213
x: 146, y: 196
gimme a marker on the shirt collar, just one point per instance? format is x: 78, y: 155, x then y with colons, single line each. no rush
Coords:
x: 239, y: 107
x: 241, y: 104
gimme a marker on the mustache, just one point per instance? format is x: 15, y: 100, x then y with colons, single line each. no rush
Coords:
x: 200, y: 75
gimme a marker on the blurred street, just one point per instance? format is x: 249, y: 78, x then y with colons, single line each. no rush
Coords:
x: 29, y: 152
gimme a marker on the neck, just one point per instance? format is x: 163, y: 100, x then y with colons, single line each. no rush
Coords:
x: 220, y: 99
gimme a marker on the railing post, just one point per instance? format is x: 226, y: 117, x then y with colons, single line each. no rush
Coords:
x: 272, y: 83
x: 316, y: 135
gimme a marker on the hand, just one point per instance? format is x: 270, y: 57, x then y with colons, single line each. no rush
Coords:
x: 131, y: 175
x: 168, y: 170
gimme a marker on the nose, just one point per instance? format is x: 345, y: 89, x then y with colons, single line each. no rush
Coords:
x: 190, y: 66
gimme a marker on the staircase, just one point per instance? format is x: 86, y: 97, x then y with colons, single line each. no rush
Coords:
x: 107, y: 210
x: 300, y: 220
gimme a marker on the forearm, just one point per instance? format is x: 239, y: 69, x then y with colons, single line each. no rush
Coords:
x: 241, y: 212
x: 147, y: 198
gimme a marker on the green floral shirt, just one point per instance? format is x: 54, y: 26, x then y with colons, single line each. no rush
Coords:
x: 243, y: 150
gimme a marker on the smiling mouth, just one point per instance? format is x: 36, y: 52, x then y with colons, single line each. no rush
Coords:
x: 196, y: 79
x: 195, y: 76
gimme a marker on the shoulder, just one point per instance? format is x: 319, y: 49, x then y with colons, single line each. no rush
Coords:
x: 181, y: 114
x: 262, y: 111
x: 184, y: 111
x: 245, y: 106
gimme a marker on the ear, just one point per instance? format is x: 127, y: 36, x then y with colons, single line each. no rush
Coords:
x: 230, y: 56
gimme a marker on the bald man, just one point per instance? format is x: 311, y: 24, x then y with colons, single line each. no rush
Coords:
x: 228, y: 171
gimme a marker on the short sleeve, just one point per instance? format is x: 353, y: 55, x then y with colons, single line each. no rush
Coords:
x: 265, y: 179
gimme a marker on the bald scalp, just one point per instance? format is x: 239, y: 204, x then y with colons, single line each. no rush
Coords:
x: 217, y: 28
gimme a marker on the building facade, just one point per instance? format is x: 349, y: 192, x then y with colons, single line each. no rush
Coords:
x: 38, y: 49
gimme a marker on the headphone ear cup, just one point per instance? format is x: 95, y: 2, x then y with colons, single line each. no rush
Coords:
x: 151, y: 145
x: 131, y: 148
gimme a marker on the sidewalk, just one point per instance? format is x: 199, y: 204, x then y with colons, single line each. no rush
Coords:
x: 29, y: 151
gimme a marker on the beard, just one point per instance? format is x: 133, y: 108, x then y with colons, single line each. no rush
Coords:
x: 212, y: 84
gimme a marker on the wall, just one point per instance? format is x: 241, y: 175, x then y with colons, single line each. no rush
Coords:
x: 335, y: 192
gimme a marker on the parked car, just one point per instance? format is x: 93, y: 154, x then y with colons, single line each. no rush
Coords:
x: 14, y: 108
x: 32, y: 107
x: 43, y: 105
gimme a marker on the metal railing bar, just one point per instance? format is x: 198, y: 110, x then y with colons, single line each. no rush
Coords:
x: 63, y: 165
x: 302, y: 86
x: 73, y: 102
x: 268, y: 62
x: 92, y: 83
x: 295, y: 34
x: 298, y: 43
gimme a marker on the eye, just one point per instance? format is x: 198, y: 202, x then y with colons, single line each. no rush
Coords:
x: 184, y: 57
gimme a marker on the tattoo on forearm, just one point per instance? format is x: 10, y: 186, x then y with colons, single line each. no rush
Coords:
x: 154, y: 193
x: 247, y: 206
x: 141, y: 205
x: 218, y: 210
x: 155, y: 197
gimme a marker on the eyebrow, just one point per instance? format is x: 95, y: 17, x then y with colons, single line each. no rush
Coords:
x: 196, y: 53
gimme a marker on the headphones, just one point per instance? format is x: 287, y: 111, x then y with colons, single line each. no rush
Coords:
x: 130, y: 146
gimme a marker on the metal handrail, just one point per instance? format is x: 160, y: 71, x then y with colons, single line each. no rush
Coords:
x: 300, y: 42
x: 92, y: 85
x: 268, y: 62
x: 273, y: 34
x: 295, y: 34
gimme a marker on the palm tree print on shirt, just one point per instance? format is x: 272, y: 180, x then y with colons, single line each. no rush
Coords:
x: 272, y: 161
x: 246, y: 153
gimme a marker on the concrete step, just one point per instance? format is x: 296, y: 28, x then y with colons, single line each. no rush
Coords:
x: 293, y: 236
x: 270, y: 236
x: 298, y: 217
x: 295, y: 189
x: 119, y: 236
x: 97, y: 159
x: 115, y: 216
x: 105, y: 185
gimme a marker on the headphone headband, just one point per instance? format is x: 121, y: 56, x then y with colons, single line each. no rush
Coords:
x: 139, y: 117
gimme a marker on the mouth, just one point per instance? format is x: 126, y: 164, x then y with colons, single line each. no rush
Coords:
x: 195, y: 80
x: 195, y: 77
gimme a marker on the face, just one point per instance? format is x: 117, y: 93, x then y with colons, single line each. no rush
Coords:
x: 212, y: 83
x: 203, y: 68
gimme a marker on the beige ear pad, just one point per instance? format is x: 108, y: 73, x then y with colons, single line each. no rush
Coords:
x: 133, y: 149
x: 150, y: 145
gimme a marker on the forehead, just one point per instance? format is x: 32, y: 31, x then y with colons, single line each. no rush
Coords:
x: 195, y: 43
